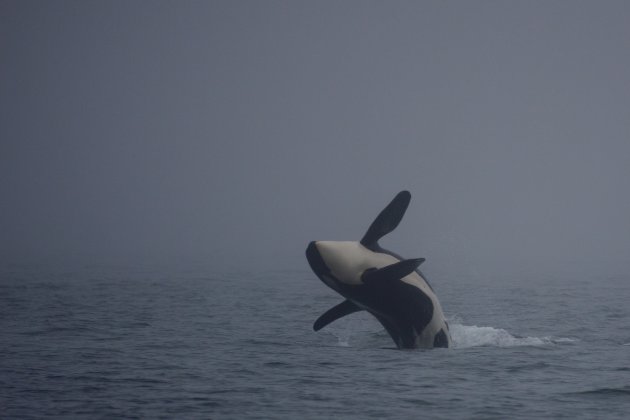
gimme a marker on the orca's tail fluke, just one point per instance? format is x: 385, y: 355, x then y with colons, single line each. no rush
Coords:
x: 388, y: 219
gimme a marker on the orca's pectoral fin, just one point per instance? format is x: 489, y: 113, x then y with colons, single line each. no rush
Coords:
x: 391, y: 272
x: 344, y: 308
x: 388, y: 219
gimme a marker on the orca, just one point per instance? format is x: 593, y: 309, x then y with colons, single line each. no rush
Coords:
x: 382, y: 283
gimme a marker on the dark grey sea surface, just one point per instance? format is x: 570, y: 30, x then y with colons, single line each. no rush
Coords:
x: 97, y: 342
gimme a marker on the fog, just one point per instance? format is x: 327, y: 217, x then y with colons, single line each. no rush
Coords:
x: 233, y: 133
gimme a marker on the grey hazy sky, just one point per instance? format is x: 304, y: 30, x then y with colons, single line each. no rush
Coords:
x: 235, y: 132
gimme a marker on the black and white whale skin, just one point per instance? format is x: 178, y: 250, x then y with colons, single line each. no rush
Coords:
x: 373, y: 279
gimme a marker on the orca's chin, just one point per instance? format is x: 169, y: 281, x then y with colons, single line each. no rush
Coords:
x: 315, y: 260
x: 319, y: 267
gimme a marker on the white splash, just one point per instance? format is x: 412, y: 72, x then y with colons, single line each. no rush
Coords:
x: 465, y: 336
x: 343, y: 339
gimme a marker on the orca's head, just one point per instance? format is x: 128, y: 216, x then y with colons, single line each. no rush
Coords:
x: 339, y: 264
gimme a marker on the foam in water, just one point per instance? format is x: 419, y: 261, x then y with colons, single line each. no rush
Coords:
x: 465, y: 336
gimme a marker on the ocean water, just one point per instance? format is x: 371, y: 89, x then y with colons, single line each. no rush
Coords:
x: 96, y: 342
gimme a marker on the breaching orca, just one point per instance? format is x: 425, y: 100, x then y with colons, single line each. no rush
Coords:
x: 382, y: 283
